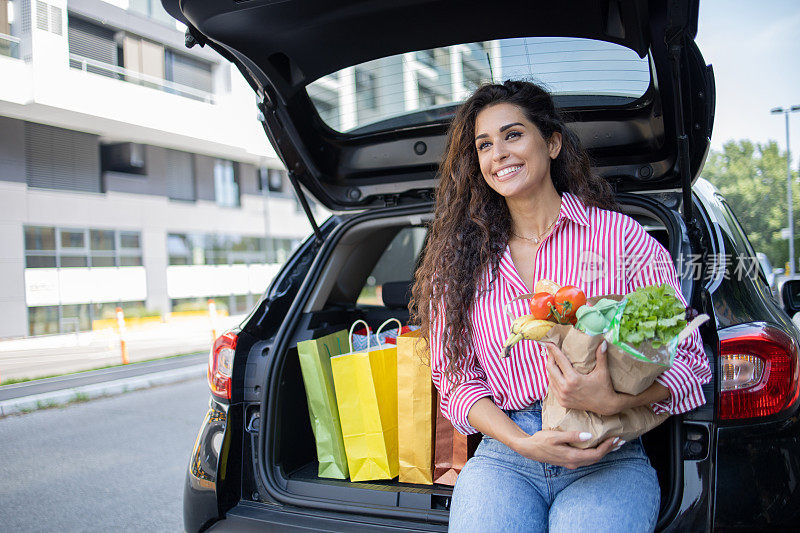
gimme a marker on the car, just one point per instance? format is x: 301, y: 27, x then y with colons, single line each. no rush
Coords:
x: 356, y: 98
x: 772, y: 275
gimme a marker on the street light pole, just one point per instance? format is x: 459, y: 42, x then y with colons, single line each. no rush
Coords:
x: 785, y: 112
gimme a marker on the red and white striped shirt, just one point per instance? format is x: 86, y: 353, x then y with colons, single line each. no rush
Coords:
x: 602, y: 252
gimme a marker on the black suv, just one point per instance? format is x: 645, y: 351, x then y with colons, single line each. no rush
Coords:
x: 356, y: 97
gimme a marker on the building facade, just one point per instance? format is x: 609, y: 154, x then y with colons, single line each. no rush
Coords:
x: 133, y: 172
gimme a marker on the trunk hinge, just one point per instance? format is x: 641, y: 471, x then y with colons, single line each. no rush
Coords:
x: 304, y: 202
x: 675, y: 43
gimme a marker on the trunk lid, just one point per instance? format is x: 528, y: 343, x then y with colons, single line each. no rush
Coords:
x: 306, y: 60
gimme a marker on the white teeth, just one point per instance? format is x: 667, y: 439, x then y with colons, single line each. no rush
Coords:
x: 508, y: 170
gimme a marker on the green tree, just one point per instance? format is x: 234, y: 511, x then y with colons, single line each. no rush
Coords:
x: 752, y: 177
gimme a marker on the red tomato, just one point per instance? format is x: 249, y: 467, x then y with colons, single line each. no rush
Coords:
x: 541, y: 304
x: 568, y: 300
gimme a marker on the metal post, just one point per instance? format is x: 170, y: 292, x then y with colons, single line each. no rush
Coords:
x: 786, y: 111
x: 789, y: 197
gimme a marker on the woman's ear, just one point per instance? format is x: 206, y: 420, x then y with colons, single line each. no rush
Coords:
x: 554, y: 144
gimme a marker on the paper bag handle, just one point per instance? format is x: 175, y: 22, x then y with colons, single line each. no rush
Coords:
x: 352, y: 328
x: 698, y: 321
x: 399, y: 328
x: 511, y: 301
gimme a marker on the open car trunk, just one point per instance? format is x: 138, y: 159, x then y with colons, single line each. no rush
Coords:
x: 381, y: 250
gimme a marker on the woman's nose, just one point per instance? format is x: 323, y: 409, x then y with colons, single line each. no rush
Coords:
x: 499, y: 152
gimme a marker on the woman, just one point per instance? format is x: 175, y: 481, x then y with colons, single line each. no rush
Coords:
x: 517, y: 202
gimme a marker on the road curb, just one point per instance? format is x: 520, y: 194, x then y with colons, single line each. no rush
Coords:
x: 97, y: 390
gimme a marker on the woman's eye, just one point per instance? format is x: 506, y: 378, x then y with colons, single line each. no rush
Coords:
x: 513, y: 134
x: 483, y: 145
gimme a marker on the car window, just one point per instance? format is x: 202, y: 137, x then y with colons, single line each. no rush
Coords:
x: 746, y: 257
x: 423, y: 86
x: 397, y: 263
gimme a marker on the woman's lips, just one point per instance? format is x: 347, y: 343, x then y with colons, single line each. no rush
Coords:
x: 506, y: 174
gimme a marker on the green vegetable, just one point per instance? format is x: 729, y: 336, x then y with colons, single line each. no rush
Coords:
x: 653, y: 314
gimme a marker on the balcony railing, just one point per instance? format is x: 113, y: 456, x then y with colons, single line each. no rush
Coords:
x: 9, y: 46
x: 113, y: 71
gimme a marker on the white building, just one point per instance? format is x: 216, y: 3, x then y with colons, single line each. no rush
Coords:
x: 134, y: 172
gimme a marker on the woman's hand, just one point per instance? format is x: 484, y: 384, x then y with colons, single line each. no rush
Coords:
x: 587, y: 392
x: 553, y: 447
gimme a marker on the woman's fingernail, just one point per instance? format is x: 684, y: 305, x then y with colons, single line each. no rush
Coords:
x: 585, y: 436
x: 616, y: 439
x: 604, y: 346
x: 621, y: 442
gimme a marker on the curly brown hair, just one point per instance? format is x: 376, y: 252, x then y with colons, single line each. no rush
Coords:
x: 472, y: 224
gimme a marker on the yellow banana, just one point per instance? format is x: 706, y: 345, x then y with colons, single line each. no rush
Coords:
x: 528, y: 328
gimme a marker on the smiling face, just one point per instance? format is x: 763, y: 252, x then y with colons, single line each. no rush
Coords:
x: 514, y: 157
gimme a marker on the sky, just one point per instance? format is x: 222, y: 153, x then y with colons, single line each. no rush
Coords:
x: 754, y: 47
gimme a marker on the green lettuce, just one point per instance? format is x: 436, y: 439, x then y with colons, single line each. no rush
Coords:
x: 653, y: 314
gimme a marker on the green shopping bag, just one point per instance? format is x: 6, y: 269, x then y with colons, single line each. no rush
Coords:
x: 315, y: 364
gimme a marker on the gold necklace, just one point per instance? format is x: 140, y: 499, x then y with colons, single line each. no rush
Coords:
x: 535, y: 240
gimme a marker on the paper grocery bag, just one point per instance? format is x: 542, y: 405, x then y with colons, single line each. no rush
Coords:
x: 315, y: 365
x: 366, y: 395
x: 414, y: 409
x: 452, y: 450
x: 627, y: 425
x: 629, y: 374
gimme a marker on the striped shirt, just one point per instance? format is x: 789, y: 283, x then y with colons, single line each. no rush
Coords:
x: 602, y: 252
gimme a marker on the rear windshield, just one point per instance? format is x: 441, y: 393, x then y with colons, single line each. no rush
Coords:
x: 426, y: 86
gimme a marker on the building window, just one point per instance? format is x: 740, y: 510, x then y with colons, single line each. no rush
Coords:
x: 75, y: 317
x: 144, y: 57
x: 212, y: 249
x: 473, y: 78
x: 47, y: 247
x: 226, y: 183
x: 427, y: 97
x: 271, y: 179
x: 366, y: 90
x: 92, y: 47
x: 48, y: 18
x: 58, y: 158
x: 180, y: 176
x: 130, y: 248
x: 43, y: 320
x: 188, y: 72
x: 151, y: 9
x: 40, y: 247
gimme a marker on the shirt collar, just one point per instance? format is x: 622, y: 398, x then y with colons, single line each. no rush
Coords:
x: 574, y: 209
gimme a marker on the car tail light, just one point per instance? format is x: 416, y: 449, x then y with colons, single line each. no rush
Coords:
x: 220, y: 365
x: 759, y: 372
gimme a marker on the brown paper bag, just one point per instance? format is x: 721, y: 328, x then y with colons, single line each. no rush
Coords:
x: 415, y: 409
x: 452, y: 450
x: 627, y: 425
x: 629, y: 375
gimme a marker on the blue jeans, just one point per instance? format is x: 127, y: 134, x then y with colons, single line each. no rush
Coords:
x: 500, y: 490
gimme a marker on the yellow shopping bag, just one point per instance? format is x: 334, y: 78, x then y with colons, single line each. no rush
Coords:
x: 366, y: 394
x: 414, y: 410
